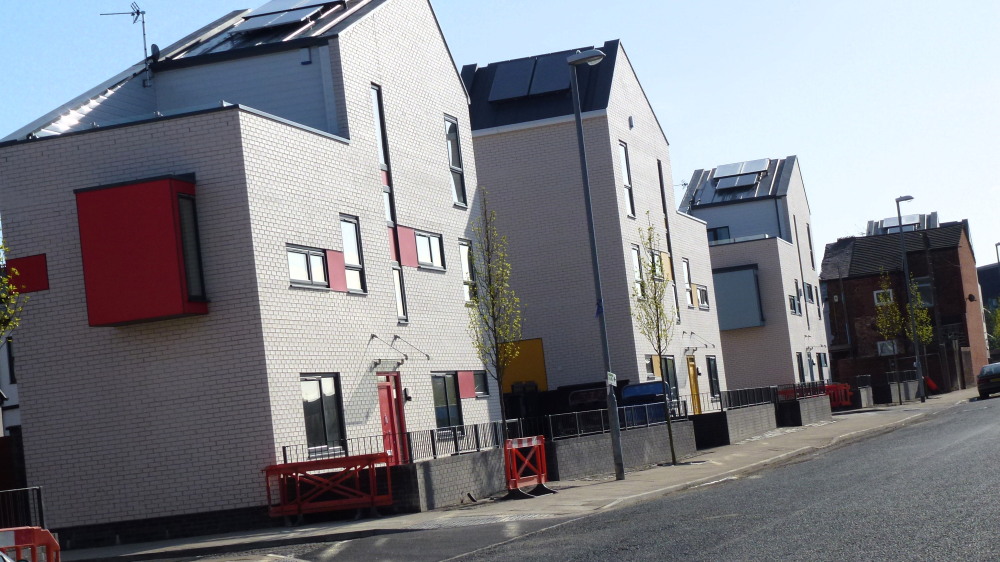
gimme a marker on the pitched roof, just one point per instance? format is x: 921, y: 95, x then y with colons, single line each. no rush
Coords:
x: 869, y: 255
x: 535, y: 88
x: 766, y: 177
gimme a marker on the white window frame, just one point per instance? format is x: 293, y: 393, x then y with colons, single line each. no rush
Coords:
x: 314, y: 257
x: 626, y: 170
x: 456, y: 169
x: 875, y: 295
x: 468, y: 273
x: 637, y: 283
x: 359, y: 267
x: 432, y: 243
x: 688, y: 289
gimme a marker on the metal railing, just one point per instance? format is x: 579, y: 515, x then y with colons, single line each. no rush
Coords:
x: 593, y: 422
x: 22, y: 508
x: 797, y: 391
x: 414, y: 446
x: 745, y: 397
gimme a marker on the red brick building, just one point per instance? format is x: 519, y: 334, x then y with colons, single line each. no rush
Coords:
x: 942, y: 263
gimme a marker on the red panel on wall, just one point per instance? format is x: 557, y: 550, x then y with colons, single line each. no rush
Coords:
x: 407, y: 246
x: 466, y: 384
x: 133, y: 263
x: 392, y: 244
x: 32, y: 273
x: 335, y: 270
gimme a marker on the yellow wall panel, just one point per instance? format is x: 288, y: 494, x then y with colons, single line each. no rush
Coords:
x: 528, y: 366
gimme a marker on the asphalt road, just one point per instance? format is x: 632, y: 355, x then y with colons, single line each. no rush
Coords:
x: 924, y: 492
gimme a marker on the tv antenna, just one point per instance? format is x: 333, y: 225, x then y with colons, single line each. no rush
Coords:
x: 138, y: 15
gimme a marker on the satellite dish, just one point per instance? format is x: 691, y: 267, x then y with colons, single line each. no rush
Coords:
x: 154, y: 53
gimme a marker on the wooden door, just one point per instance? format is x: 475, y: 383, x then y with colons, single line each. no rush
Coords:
x: 693, y: 381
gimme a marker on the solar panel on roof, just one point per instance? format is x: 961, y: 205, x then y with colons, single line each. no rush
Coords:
x: 728, y: 170
x: 551, y: 74
x: 746, y: 180
x: 511, y: 79
x: 274, y: 20
x: 281, y: 6
x: 727, y: 182
x: 752, y: 166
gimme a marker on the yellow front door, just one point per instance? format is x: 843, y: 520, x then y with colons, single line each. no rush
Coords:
x: 693, y: 381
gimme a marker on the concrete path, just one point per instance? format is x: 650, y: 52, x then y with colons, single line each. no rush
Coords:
x: 576, y: 498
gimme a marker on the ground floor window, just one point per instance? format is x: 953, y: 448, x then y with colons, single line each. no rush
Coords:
x: 713, y: 375
x: 323, y: 411
x: 802, y: 369
x: 669, y: 369
x: 447, y: 407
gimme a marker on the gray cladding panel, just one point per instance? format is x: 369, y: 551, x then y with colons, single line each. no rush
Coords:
x: 278, y: 84
x: 737, y: 298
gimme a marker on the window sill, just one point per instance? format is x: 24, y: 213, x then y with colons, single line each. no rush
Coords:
x: 481, y: 396
x: 704, y: 308
x: 357, y: 292
x: 457, y: 205
x: 402, y: 321
x: 294, y: 285
x: 430, y: 267
x: 630, y: 215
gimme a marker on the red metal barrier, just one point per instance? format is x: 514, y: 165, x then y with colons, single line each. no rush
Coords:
x: 525, y: 462
x: 840, y: 394
x: 29, y: 543
x: 327, y: 485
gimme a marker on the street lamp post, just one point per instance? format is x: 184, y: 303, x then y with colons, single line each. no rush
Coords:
x: 997, y: 246
x: 909, y: 298
x: 592, y: 57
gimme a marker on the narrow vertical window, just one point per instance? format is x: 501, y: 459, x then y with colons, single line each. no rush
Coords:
x: 465, y: 256
x: 353, y: 263
x: 626, y: 177
x: 190, y: 248
x: 322, y: 410
x: 455, y: 159
x: 688, y: 290
x: 9, y: 348
x: 397, y: 286
x: 379, y: 114
x: 812, y: 256
x: 713, y: 375
x: 637, y: 272
x: 802, y: 369
x: 668, y: 366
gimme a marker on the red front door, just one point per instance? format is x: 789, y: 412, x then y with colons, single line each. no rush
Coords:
x: 391, y: 410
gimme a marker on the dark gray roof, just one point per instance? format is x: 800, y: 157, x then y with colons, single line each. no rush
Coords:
x: 869, y: 255
x: 703, y: 189
x: 532, y: 88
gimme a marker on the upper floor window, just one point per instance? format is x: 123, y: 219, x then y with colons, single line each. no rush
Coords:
x: 925, y: 292
x: 465, y: 256
x: 702, y: 296
x: 637, y: 272
x: 720, y: 234
x: 307, y: 266
x: 812, y: 256
x: 353, y: 263
x: 429, y: 250
x: 626, y: 177
x: 688, y: 289
x: 379, y: 114
x: 455, y: 159
x: 398, y: 289
x: 190, y: 249
x: 883, y: 297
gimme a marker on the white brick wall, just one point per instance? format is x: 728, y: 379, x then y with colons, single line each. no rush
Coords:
x: 180, y: 416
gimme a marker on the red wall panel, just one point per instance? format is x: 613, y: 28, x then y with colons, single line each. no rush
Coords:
x: 466, y: 384
x: 132, y: 259
x: 30, y: 273
x: 335, y: 270
x: 407, y: 246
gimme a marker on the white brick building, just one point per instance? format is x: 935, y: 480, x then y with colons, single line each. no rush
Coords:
x: 158, y: 382
x: 765, y: 270
x: 527, y: 156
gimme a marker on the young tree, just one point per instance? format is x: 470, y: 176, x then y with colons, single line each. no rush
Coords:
x: 993, y: 326
x: 917, y: 310
x: 652, y: 309
x: 494, y: 309
x: 888, y: 318
x: 11, y: 299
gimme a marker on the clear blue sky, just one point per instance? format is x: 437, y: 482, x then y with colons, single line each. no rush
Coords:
x: 877, y: 98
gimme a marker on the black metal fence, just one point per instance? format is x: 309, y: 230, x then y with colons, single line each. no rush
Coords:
x: 745, y: 397
x: 412, y: 446
x: 22, y: 508
x: 797, y: 391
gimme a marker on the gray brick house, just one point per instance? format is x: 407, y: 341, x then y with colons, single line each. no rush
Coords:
x: 254, y: 245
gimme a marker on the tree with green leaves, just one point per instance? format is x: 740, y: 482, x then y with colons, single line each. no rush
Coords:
x: 993, y: 326
x: 917, y: 310
x: 494, y: 309
x: 653, y: 311
x: 11, y: 299
x: 888, y: 319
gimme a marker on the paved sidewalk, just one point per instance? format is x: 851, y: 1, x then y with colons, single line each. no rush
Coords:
x: 576, y: 498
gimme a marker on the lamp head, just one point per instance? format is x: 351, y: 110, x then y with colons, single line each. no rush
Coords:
x: 904, y: 198
x: 590, y: 57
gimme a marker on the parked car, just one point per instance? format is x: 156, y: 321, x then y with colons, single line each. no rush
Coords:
x: 988, y: 381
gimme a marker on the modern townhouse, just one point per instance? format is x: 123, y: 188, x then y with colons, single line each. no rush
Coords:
x: 941, y: 263
x: 247, y: 250
x: 765, y: 270
x: 527, y: 157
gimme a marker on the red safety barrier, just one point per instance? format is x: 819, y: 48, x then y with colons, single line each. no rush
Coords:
x: 29, y: 543
x: 328, y: 485
x: 525, y: 461
x: 840, y: 394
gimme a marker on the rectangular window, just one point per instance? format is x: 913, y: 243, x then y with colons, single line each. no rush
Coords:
x: 323, y: 412
x: 925, y: 291
x: 447, y: 409
x: 812, y: 256
x: 190, y: 248
x: 9, y: 349
x: 656, y: 261
x: 883, y: 298
x: 668, y: 366
x: 455, y: 159
x: 702, y: 297
x: 798, y: 298
x: 468, y: 281
x: 810, y: 298
x: 677, y: 302
x: 637, y: 285
x: 353, y: 263
x: 688, y: 290
x: 717, y: 235
x: 307, y: 266
x: 429, y: 250
x: 482, y: 383
x: 819, y: 365
x: 397, y: 286
x: 390, y: 218
x: 379, y: 114
x: 626, y: 177
x: 802, y: 368
x: 713, y: 375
